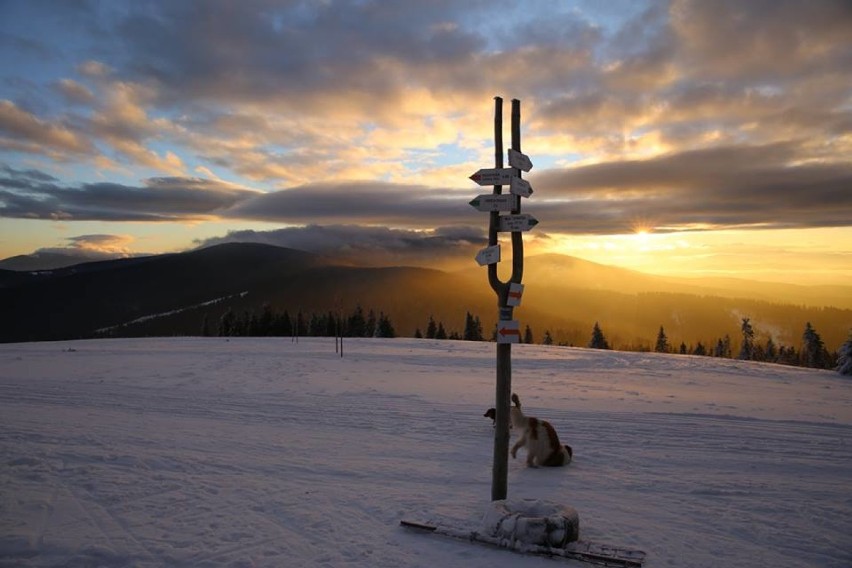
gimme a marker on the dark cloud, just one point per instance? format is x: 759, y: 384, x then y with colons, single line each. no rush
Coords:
x: 734, y: 187
x: 756, y: 42
x: 369, y: 245
x: 32, y: 195
x: 359, y: 202
x: 731, y: 187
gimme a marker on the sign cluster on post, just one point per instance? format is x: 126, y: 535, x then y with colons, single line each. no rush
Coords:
x: 504, y: 217
x: 514, y: 222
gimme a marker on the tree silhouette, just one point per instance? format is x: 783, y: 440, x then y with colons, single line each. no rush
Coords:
x: 813, y: 350
x: 747, y: 347
x: 598, y: 341
x: 662, y: 345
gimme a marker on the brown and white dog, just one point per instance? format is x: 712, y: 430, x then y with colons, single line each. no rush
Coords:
x: 540, y: 439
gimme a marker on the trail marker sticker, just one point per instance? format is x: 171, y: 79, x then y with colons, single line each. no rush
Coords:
x: 508, y: 331
x: 515, y: 292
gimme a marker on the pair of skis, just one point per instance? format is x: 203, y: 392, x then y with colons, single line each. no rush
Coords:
x: 585, y: 551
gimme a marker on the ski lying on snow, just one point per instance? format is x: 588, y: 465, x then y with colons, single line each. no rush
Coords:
x: 592, y: 552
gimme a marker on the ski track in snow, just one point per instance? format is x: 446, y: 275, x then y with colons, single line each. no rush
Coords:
x: 265, y: 452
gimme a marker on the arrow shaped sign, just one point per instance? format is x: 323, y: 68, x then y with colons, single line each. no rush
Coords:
x: 520, y: 161
x: 520, y: 187
x: 494, y: 176
x: 514, y: 223
x: 492, y: 202
x: 488, y: 255
x: 515, y: 292
x: 508, y: 331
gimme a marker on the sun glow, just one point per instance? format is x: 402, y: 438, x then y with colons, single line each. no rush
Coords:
x: 768, y: 255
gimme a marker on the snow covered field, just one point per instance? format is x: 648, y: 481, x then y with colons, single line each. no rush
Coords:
x: 263, y: 452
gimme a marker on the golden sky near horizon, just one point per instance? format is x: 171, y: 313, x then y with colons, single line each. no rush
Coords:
x: 676, y: 137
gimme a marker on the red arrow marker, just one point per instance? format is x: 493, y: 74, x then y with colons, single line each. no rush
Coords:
x: 505, y: 332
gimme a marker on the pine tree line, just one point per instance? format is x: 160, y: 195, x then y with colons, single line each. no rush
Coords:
x: 271, y: 323
x: 812, y: 352
x: 268, y: 322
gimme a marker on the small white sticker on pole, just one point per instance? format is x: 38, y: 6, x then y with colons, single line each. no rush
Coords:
x: 515, y: 292
x: 508, y: 331
x: 488, y: 255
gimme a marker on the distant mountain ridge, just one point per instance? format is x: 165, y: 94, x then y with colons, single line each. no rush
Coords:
x: 41, y: 261
x: 172, y: 294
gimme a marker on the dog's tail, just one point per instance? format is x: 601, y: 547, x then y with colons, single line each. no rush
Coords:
x: 516, y: 400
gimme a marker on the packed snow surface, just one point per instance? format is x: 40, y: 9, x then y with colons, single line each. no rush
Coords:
x: 196, y: 452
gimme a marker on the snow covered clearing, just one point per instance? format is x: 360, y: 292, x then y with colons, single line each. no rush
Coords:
x: 265, y: 452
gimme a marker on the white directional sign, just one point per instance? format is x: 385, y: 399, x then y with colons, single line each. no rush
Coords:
x: 520, y: 161
x: 488, y: 255
x: 520, y: 187
x: 494, y: 176
x: 513, y: 223
x: 515, y: 292
x: 492, y: 202
x: 508, y: 331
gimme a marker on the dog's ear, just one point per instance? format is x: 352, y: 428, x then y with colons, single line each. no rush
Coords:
x: 569, y: 450
x: 516, y: 400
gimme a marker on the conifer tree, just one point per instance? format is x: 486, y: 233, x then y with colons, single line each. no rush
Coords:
x: 662, y: 345
x: 598, y: 341
x: 357, y: 324
x: 371, y: 328
x: 771, y: 351
x: 441, y: 333
x: 528, y: 335
x: 385, y: 327
x: 548, y: 339
x: 747, y: 347
x: 813, y: 349
x: 700, y: 349
x: 472, y: 328
x: 431, y: 328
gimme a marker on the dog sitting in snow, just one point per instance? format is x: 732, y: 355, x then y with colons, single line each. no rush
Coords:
x: 540, y: 439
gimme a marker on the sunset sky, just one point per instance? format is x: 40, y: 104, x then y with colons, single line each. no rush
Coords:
x: 698, y: 138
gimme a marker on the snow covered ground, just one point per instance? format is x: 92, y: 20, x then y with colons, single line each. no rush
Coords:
x: 264, y: 452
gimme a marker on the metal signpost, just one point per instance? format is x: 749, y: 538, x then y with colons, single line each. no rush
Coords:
x: 508, y: 293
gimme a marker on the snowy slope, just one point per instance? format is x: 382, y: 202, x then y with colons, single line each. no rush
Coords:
x: 264, y: 452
